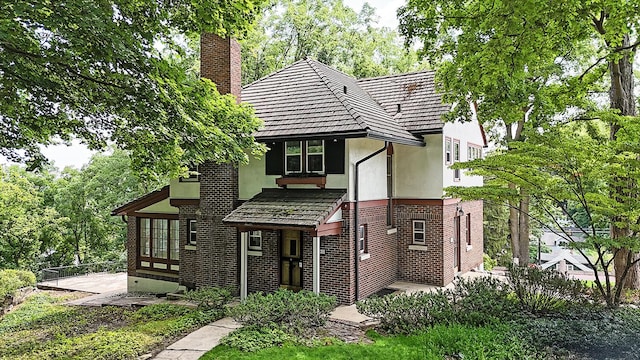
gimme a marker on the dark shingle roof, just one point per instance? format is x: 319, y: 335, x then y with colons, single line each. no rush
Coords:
x: 307, y: 99
x: 421, y: 107
x: 293, y: 207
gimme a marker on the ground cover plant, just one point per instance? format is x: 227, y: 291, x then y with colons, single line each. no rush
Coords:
x: 44, y: 328
x: 12, y: 280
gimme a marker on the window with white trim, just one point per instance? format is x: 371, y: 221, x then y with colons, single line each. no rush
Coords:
x: 315, y: 156
x: 293, y: 156
x: 570, y: 267
x: 419, y: 227
x: 456, y: 158
x: 362, y: 238
x: 447, y: 150
x: 255, y: 240
x: 192, y: 229
x: 474, y: 152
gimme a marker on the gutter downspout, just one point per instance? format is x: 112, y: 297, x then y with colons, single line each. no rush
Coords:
x: 356, y: 225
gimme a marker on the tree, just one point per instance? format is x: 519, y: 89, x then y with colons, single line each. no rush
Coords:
x: 534, y: 62
x: 112, y: 72
x: 329, y: 31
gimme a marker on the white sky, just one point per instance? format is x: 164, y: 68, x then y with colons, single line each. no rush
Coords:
x: 78, y: 155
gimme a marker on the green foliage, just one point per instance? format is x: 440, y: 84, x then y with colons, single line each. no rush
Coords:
x: 114, y: 72
x: 12, y: 280
x: 481, y: 301
x: 254, y: 338
x: 488, y: 263
x: 44, y: 328
x: 496, y: 231
x: 407, y: 313
x: 544, y: 291
x: 440, y: 342
x: 331, y: 32
x: 293, y: 311
x: 210, y: 297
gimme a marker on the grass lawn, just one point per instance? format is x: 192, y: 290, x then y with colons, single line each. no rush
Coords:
x: 441, y: 342
x: 43, y: 328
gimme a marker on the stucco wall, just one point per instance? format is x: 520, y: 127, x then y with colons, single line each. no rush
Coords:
x: 184, y: 190
x: 161, y: 207
x: 373, y: 172
x: 418, y: 170
x: 467, y: 133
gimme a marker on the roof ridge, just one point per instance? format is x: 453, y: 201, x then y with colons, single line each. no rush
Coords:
x: 272, y: 74
x: 396, y: 75
x: 340, y: 96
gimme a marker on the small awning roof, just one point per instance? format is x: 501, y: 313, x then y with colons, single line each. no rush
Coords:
x: 142, y: 202
x: 295, y: 208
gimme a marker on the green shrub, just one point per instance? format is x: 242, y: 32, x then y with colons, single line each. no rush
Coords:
x: 408, y: 313
x: 254, y: 338
x: 210, y: 297
x: 481, y: 301
x: 12, y: 280
x: 488, y: 263
x: 293, y: 311
x: 544, y: 291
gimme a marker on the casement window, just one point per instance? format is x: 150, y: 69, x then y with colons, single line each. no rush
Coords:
x: 447, y: 150
x: 192, y: 230
x: 419, y: 237
x: 255, y: 240
x: 362, y: 238
x: 474, y: 152
x: 194, y: 175
x: 468, y: 229
x: 311, y: 156
x: 311, y: 160
x: 456, y: 158
x: 159, y: 242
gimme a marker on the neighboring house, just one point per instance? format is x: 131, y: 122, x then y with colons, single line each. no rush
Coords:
x: 561, y: 257
x: 338, y: 147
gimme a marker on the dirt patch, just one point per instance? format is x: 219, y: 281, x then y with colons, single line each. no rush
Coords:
x: 346, y: 331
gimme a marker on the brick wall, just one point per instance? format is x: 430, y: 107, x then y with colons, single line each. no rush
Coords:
x: 220, y: 62
x: 217, y: 255
x: 187, y: 257
x: 263, y: 271
x: 425, y: 265
x: 132, y: 245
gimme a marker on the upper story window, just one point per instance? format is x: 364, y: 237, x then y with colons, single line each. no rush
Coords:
x: 308, y: 156
x: 474, y: 152
x: 456, y: 158
x: 447, y: 150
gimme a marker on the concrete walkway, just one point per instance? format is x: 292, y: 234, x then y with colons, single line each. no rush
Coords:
x: 98, y: 283
x: 194, y: 345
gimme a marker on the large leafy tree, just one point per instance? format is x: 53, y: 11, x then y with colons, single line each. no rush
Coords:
x: 331, y: 32
x: 528, y: 64
x: 111, y: 71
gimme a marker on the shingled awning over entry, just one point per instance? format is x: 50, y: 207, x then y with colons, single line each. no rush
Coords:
x: 297, y: 208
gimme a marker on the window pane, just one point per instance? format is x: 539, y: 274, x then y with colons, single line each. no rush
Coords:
x: 160, y: 235
x: 418, y: 225
x: 315, y: 147
x: 145, y: 233
x: 293, y: 147
x: 418, y: 237
x: 315, y: 163
x: 456, y: 151
x: 293, y: 163
x: 175, y: 239
x: 255, y: 240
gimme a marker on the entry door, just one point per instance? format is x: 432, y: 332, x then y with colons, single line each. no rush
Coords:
x: 291, y: 260
x: 456, y: 243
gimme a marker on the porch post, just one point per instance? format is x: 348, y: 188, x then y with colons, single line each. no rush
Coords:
x: 244, y: 245
x: 316, y: 264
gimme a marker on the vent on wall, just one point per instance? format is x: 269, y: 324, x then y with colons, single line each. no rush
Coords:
x: 399, y: 108
x: 345, y: 89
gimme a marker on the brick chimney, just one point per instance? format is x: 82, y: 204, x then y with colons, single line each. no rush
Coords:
x: 220, y: 62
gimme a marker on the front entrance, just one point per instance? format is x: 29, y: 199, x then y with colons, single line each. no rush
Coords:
x: 291, y: 260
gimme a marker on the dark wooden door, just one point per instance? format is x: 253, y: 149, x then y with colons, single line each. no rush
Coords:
x: 291, y: 260
x: 456, y: 243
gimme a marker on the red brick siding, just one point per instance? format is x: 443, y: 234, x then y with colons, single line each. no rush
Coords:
x: 220, y: 62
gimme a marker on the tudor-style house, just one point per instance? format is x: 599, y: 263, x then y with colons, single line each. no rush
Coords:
x: 348, y: 199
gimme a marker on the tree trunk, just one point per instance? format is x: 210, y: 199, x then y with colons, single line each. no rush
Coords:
x: 622, y: 98
x: 514, y: 230
x: 523, y: 229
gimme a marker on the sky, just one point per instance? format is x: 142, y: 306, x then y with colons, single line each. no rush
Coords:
x: 78, y: 155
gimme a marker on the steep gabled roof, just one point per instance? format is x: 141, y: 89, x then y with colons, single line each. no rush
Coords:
x: 421, y: 107
x: 308, y: 99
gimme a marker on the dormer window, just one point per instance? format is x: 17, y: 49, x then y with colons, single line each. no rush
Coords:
x: 307, y: 155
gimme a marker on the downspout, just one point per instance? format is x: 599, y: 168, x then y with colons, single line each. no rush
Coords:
x: 357, y: 250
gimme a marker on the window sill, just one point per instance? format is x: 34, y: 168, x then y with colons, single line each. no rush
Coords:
x: 392, y: 231
x: 189, y: 247
x: 254, y: 252
x: 418, y: 247
x: 469, y: 247
x: 364, y: 256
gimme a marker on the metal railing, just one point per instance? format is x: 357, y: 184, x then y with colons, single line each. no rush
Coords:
x: 61, y: 272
